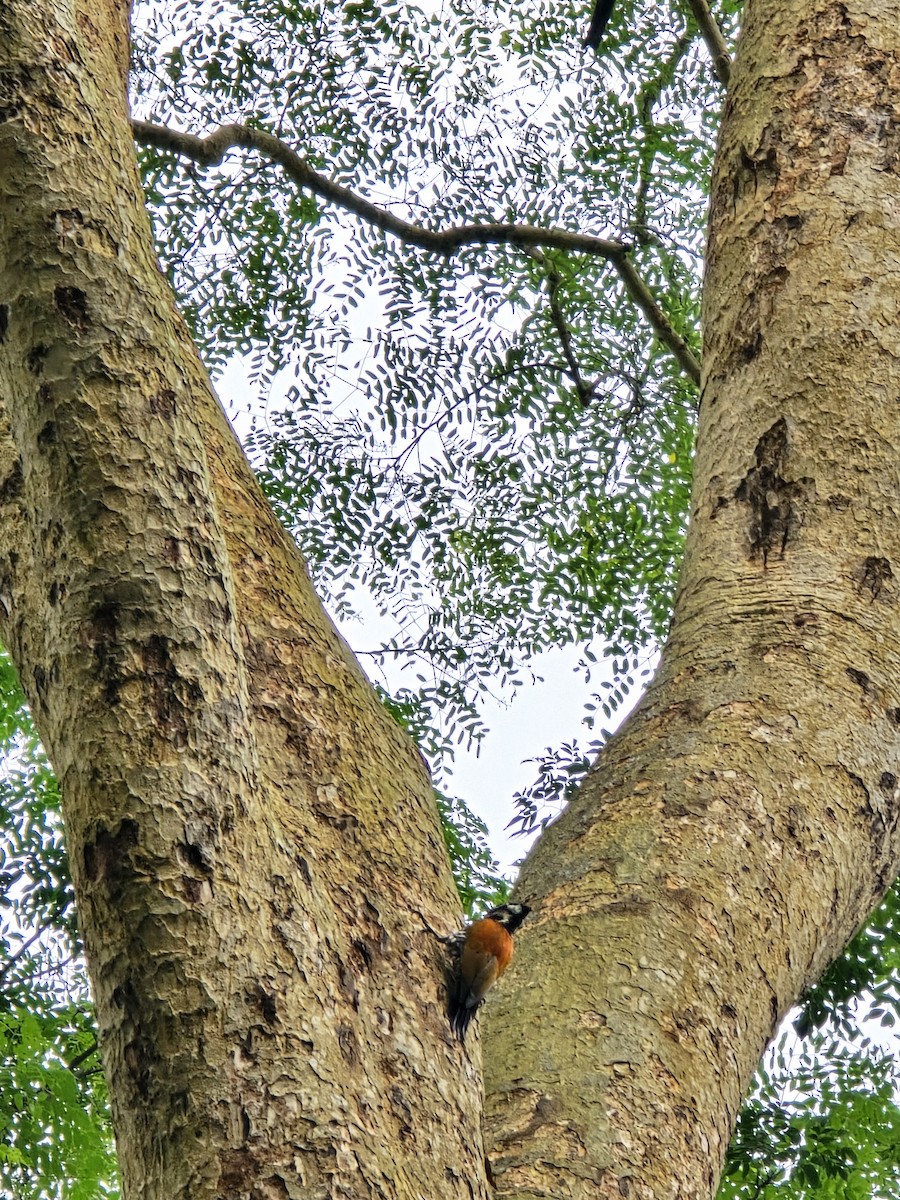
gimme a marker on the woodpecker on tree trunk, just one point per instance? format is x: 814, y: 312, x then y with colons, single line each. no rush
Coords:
x: 485, y: 951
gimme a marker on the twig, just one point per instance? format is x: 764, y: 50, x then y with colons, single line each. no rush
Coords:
x: 210, y: 151
x: 82, y: 1057
x: 450, y: 939
x: 554, y: 283
x: 14, y: 958
x: 648, y: 99
x: 715, y: 42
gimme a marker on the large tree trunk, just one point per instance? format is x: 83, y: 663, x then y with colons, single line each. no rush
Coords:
x: 737, y: 831
x: 252, y: 838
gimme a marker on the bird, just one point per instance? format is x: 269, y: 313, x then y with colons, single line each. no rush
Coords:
x: 485, y: 950
x: 599, y: 20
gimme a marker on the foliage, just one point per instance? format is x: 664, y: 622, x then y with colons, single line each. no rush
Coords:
x: 822, y: 1123
x: 55, y: 1137
x: 822, y: 1120
x: 474, y: 867
x: 561, y: 769
x: 55, y: 1140
x: 560, y: 772
x: 495, y: 448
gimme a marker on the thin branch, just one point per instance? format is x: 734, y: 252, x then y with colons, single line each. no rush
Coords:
x: 584, y: 390
x: 81, y: 1058
x: 715, y: 42
x: 14, y: 958
x: 210, y: 151
x: 649, y: 306
x: 399, y: 461
x: 648, y: 99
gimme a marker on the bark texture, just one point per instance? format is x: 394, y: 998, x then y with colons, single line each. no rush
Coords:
x: 239, y: 808
x: 738, y: 830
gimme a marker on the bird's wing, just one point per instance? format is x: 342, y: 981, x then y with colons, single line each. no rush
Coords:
x: 478, y: 987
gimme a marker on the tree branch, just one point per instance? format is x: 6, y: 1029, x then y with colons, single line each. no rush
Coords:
x: 648, y: 99
x: 584, y: 390
x: 82, y: 1058
x: 715, y: 42
x: 14, y: 958
x: 210, y: 151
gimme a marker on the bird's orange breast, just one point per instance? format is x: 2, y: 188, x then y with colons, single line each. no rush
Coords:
x: 486, y: 939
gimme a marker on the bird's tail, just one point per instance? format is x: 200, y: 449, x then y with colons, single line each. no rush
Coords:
x: 462, y: 1008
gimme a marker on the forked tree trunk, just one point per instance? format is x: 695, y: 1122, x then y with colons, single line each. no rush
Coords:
x: 737, y: 831
x: 252, y: 839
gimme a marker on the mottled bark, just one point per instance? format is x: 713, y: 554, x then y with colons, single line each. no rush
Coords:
x: 737, y: 831
x: 250, y: 835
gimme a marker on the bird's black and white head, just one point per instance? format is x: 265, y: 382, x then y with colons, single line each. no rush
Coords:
x: 510, y: 916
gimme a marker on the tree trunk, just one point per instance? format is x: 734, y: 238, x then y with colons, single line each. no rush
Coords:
x: 738, y: 830
x: 251, y: 836
x: 252, y: 839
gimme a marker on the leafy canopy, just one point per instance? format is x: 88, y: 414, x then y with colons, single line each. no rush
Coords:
x: 494, y: 446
